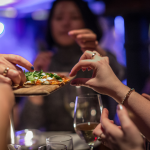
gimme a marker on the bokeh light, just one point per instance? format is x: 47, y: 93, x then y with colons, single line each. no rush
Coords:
x: 1, y: 28
x: 6, y: 2
x: 119, y: 24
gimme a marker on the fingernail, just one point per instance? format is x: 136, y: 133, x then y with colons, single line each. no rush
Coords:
x: 32, y: 67
x: 119, y: 107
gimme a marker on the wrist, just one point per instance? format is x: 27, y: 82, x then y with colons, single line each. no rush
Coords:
x: 119, y: 92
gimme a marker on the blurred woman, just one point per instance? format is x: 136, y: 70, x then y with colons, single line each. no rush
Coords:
x: 72, y: 29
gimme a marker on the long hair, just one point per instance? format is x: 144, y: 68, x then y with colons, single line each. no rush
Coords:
x: 89, y: 19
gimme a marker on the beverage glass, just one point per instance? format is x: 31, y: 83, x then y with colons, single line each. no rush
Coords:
x: 28, y: 138
x: 53, y: 146
x: 61, y: 139
x: 14, y: 147
x: 87, y: 112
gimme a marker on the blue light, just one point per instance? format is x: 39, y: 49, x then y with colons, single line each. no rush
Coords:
x: 119, y: 24
x: 1, y: 28
x: 97, y: 7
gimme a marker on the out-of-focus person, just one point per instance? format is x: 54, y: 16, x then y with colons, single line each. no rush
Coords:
x: 72, y: 28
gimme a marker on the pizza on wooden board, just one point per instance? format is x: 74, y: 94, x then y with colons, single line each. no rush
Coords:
x: 42, y: 83
x: 43, y: 78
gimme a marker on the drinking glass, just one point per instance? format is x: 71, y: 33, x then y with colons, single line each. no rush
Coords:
x: 53, y: 146
x: 14, y: 147
x: 61, y: 139
x: 28, y: 138
x: 87, y: 112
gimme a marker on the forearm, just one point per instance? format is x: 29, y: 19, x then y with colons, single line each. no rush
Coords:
x: 138, y: 108
x: 6, y: 104
x: 4, y: 125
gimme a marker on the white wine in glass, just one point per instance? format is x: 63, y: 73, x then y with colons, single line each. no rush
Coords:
x: 87, y: 112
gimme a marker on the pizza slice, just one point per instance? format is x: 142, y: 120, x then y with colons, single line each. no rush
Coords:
x: 43, y: 78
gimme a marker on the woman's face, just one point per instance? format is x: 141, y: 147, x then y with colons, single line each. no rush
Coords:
x: 66, y: 17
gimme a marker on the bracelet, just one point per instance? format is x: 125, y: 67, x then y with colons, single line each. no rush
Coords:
x: 127, y: 95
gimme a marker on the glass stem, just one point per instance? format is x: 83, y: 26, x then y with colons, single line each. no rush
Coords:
x: 91, y: 147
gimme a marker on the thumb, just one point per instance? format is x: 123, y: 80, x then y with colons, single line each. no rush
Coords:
x: 126, y: 123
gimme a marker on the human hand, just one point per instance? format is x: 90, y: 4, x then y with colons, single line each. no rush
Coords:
x: 86, y: 39
x: 42, y: 61
x: 125, y: 138
x: 146, y: 96
x: 103, y: 80
x: 13, y: 73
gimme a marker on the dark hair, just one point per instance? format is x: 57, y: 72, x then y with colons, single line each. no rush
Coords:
x: 89, y: 18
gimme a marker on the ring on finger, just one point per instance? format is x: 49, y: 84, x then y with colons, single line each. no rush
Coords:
x: 93, y: 55
x: 5, y: 72
x: 99, y: 137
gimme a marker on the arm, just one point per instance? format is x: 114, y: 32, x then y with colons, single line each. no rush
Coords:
x: 105, y: 82
x: 6, y: 105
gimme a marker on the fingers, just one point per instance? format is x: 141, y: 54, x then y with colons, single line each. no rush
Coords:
x: 109, y: 128
x: 22, y: 75
x: 88, y: 55
x: 86, y: 37
x: 16, y: 59
x: 146, y: 96
x: 126, y: 123
x: 14, y: 76
x: 74, y: 33
x: 81, y: 64
x: 98, y: 132
x: 5, y: 80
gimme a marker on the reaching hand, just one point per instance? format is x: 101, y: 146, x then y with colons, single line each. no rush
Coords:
x: 125, y: 138
x: 43, y: 61
x: 103, y: 80
x: 86, y: 39
x: 146, y: 96
x: 9, y: 72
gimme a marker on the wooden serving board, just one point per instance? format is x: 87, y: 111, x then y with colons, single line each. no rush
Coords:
x: 35, y: 90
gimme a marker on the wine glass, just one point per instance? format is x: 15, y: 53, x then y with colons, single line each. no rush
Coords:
x: 53, y: 146
x: 61, y: 139
x: 87, y: 112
